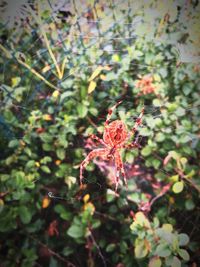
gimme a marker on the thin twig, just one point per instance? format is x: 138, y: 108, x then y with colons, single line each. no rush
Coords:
x: 98, y: 248
x: 69, y: 264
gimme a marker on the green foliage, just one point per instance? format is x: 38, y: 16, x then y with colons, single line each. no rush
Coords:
x: 54, y: 93
x: 163, y: 243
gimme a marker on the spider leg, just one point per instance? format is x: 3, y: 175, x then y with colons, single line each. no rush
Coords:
x: 119, y: 167
x: 133, y: 145
x: 93, y: 136
x: 100, y: 152
x: 110, y: 111
x: 138, y: 122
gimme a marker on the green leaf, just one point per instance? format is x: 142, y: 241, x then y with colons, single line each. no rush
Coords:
x: 45, y: 160
x: 60, y: 152
x: 110, y: 247
x: 142, y: 220
x: 47, y: 147
x: 156, y: 163
x: 15, y: 81
x: 91, y: 87
x: 189, y: 204
x: 110, y: 195
x: 145, y: 132
x: 28, y: 151
x: 183, y: 239
x: 157, y: 102
x: 155, y: 262
x: 140, y: 248
x: 160, y: 137
x: 129, y: 157
x: 178, y: 187
x: 110, y: 76
x: 75, y: 231
x: 67, y: 251
x: 146, y: 151
x: 162, y: 250
x: 30, y: 164
x: 184, y: 254
x: 66, y: 95
x: 180, y: 112
x: 150, y: 122
x: 45, y: 169
x: 176, y: 262
x: 184, y: 139
x: 82, y: 110
x: 24, y: 214
x: 96, y: 224
x: 13, y: 143
x: 167, y: 227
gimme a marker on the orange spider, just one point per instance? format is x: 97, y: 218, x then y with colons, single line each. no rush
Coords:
x: 115, y: 137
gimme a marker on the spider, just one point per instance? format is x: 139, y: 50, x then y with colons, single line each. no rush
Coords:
x: 115, y: 138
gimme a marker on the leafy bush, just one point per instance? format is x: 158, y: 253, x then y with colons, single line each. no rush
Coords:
x: 55, y: 93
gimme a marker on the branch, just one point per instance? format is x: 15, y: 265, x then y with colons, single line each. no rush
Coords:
x: 69, y: 264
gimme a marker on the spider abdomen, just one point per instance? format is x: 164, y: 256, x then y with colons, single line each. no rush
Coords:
x: 115, y: 133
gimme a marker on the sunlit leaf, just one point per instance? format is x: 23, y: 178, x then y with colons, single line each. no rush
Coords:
x: 155, y: 262
x: 183, y: 239
x: 178, y: 187
x: 163, y: 250
x: 92, y: 87
x: 45, y: 202
x: 140, y: 248
x: 184, y: 254
x: 176, y: 262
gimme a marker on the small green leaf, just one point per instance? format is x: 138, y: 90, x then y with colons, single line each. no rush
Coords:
x: 155, y: 262
x: 24, y: 214
x: 162, y: 250
x: 30, y: 164
x: 65, y: 95
x: 75, y: 231
x: 157, y: 102
x: 15, y: 81
x: 184, y: 254
x: 140, y: 248
x: 183, y: 239
x: 60, y: 152
x: 156, y: 163
x: 91, y: 87
x: 45, y: 169
x: 180, y: 112
x: 178, y: 187
x: 13, y: 143
x: 110, y: 247
x: 176, y: 262
x: 129, y: 157
x: 167, y: 227
x: 82, y: 110
x: 145, y: 131
x: 142, y: 220
x: 160, y: 137
x: 110, y: 195
x: 67, y: 251
x: 189, y: 204
x: 96, y: 224
x: 146, y: 151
